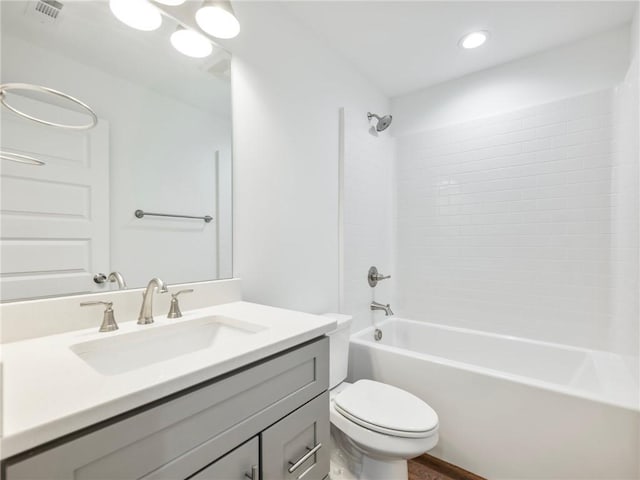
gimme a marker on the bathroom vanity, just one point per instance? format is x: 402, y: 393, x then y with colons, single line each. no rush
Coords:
x: 251, y: 407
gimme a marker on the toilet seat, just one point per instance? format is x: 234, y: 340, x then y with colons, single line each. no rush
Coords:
x: 386, y: 409
x: 379, y: 445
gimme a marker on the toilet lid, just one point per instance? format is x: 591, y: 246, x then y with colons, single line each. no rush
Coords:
x: 386, y: 409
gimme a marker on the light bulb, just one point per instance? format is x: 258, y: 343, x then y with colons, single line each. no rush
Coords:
x: 191, y: 43
x: 173, y: 3
x: 138, y: 14
x: 474, y: 40
x: 217, y: 21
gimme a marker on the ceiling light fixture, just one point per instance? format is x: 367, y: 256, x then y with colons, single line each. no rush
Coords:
x: 474, y: 39
x: 171, y: 3
x: 138, y: 14
x: 191, y: 43
x: 217, y: 19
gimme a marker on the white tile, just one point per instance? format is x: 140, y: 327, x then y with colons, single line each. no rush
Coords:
x: 553, y: 130
x: 529, y: 214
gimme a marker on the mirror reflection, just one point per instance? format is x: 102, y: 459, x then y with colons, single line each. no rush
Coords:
x: 161, y: 145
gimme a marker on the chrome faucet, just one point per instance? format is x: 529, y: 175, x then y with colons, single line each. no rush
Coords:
x: 108, y: 319
x: 174, y: 308
x: 146, y: 311
x: 373, y: 277
x: 379, y: 306
x: 117, y: 277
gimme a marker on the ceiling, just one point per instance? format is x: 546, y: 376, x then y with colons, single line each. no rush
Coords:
x: 405, y: 46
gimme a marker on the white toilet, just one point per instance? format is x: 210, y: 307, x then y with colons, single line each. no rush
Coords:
x: 375, y: 427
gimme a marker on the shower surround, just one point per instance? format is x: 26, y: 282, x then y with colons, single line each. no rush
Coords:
x: 510, y: 224
x: 505, y: 204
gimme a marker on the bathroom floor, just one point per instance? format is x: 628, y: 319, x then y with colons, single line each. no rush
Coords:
x: 427, y: 467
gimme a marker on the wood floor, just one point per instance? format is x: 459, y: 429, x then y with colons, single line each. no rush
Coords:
x: 427, y: 467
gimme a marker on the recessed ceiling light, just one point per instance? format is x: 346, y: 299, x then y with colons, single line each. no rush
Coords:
x: 138, y: 14
x: 217, y: 19
x: 191, y: 43
x: 474, y: 39
x: 172, y: 3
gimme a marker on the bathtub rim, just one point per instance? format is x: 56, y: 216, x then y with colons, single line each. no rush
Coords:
x: 359, y: 338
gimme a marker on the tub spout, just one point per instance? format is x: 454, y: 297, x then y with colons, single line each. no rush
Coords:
x: 379, y: 306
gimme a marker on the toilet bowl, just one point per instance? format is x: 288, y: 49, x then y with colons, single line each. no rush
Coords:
x: 375, y: 427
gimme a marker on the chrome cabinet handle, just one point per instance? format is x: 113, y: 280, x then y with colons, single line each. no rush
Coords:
x: 304, y: 458
x: 305, y: 472
x: 254, y: 473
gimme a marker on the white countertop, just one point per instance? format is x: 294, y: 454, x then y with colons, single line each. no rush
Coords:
x: 49, y: 391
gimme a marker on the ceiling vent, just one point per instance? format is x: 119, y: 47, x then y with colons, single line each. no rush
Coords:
x: 218, y: 64
x: 221, y: 69
x: 46, y: 11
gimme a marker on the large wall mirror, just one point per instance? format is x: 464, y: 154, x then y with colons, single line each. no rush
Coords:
x: 162, y: 144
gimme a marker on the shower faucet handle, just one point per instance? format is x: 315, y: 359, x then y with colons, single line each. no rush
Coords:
x: 373, y: 277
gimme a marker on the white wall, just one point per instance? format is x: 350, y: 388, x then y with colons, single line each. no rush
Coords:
x: 634, y: 36
x: 634, y: 72
x: 588, y: 65
x: 288, y: 88
x: 177, y: 175
x: 625, y: 330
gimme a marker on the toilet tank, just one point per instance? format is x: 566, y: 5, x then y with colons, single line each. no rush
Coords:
x: 339, y: 348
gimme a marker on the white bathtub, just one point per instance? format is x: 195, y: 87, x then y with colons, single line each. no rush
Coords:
x: 512, y: 408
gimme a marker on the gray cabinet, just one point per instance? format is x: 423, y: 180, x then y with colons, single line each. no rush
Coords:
x: 297, y: 447
x: 239, y: 464
x: 179, y: 436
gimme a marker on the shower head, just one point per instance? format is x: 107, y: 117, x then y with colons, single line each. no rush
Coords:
x: 383, y: 122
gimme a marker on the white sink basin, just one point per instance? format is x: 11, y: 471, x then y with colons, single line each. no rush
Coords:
x: 122, y: 353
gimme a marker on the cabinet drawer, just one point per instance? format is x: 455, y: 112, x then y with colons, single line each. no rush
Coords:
x: 297, y: 447
x: 240, y: 464
x: 190, y: 429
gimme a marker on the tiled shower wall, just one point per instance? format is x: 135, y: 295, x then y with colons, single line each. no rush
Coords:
x: 506, y: 224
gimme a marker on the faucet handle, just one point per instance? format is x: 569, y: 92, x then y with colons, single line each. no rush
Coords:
x: 174, y: 309
x: 188, y: 290
x: 373, y: 277
x: 108, y: 320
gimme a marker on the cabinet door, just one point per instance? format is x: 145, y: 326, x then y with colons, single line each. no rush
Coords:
x: 297, y: 447
x: 239, y: 464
